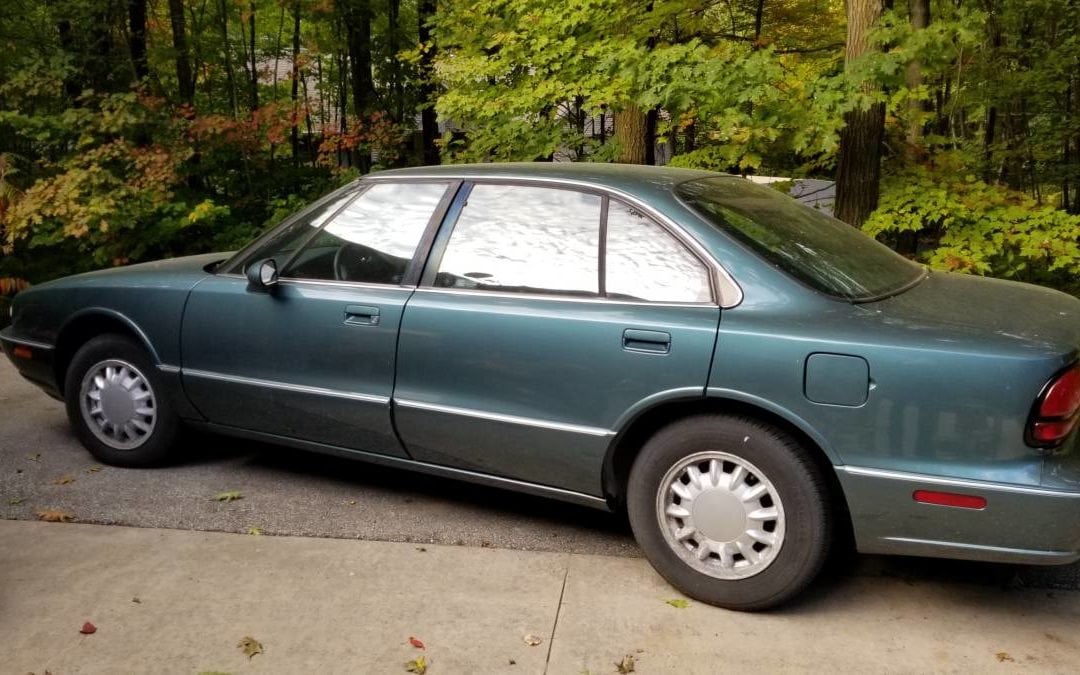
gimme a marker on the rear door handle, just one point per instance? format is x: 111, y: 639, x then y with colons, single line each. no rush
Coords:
x: 652, y: 341
x: 361, y: 315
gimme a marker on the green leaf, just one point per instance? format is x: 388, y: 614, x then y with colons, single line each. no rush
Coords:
x: 230, y: 496
x: 679, y: 603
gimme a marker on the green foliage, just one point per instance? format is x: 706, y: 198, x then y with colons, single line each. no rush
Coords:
x: 522, y: 72
x: 99, y: 166
x: 975, y: 227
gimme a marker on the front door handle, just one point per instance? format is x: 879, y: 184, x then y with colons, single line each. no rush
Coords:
x: 361, y: 315
x: 652, y: 341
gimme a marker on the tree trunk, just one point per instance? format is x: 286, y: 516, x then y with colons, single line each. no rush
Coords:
x: 429, y: 121
x: 294, y: 132
x: 253, y: 97
x: 230, y: 74
x: 858, y: 172
x: 137, y: 38
x: 393, y: 18
x: 652, y: 117
x: 919, y: 16
x: 630, y: 134
x: 357, y: 17
x: 184, y: 77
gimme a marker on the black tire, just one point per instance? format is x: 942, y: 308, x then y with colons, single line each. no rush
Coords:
x: 152, y: 448
x: 796, y: 478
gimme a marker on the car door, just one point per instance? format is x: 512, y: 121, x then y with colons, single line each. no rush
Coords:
x: 313, y: 358
x: 545, y: 316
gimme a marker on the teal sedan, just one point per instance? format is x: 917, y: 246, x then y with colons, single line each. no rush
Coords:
x: 749, y: 379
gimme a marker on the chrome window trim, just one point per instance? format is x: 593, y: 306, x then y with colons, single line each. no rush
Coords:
x: 509, y: 419
x: 292, y: 281
x: 344, y: 284
x: 725, y: 286
x: 284, y: 386
x: 475, y: 292
x: 959, y: 483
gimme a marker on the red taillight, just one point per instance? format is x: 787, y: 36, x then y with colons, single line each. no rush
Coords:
x: 1055, y: 414
x: 1062, y: 397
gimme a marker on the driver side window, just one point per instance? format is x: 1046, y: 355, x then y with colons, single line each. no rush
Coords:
x: 373, y: 239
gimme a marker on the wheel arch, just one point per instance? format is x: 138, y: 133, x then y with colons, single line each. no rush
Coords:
x: 632, y: 435
x: 85, y: 325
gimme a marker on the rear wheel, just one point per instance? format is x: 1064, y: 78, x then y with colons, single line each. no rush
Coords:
x: 116, y: 404
x: 730, y: 511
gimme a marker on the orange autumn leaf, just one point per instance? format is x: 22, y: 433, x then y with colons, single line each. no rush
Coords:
x: 55, y: 516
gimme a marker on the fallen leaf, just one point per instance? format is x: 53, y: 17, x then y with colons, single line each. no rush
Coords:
x: 64, y: 480
x: 250, y: 646
x: 55, y: 516
x: 93, y: 469
x: 679, y: 603
x: 230, y: 496
x: 88, y: 628
x: 416, y: 643
x: 626, y: 665
x: 1003, y: 657
x: 15, y: 501
x: 35, y: 457
x: 532, y: 640
x: 136, y: 600
x: 513, y: 662
x: 421, y: 549
x: 255, y: 530
x: 418, y: 665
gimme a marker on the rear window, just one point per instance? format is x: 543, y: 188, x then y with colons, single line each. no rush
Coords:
x: 817, y: 249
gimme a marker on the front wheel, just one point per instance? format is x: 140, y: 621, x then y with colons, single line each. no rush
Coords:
x: 116, y: 403
x: 730, y: 511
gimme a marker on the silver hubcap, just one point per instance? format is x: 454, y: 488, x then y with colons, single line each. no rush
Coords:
x: 721, y: 515
x: 118, y: 404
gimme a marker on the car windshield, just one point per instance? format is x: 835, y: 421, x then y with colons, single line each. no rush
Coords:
x: 815, y: 248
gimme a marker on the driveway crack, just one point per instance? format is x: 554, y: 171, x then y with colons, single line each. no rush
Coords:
x: 558, y: 611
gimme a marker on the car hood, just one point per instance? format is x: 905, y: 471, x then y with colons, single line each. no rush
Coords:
x: 180, y: 270
x: 988, y: 313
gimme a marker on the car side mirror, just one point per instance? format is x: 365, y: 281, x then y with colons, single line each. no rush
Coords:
x: 262, y: 275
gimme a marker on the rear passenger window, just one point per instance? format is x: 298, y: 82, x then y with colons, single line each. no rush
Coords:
x: 646, y: 262
x: 374, y: 238
x: 525, y: 239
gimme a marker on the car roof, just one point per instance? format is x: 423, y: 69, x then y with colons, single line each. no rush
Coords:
x: 629, y: 177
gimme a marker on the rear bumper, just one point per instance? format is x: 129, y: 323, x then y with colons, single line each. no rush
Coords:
x: 33, y: 360
x: 1028, y: 525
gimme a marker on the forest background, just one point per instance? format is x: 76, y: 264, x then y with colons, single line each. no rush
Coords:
x: 139, y: 129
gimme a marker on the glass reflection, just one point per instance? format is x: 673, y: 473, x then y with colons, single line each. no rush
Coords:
x: 373, y: 240
x: 517, y: 238
x: 645, y: 262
